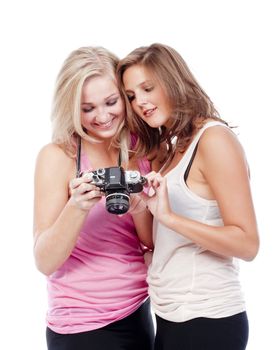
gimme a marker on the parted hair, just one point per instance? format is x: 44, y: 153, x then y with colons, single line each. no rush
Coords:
x: 82, y: 64
x: 191, y: 106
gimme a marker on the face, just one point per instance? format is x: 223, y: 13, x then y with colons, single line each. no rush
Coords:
x: 147, y: 97
x: 102, y: 108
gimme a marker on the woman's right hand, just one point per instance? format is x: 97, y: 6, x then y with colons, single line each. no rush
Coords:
x: 83, y: 194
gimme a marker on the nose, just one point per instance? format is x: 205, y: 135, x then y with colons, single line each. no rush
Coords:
x: 141, y: 99
x: 102, y: 116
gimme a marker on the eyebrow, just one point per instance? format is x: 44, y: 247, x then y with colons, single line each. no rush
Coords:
x: 114, y: 94
x: 142, y: 83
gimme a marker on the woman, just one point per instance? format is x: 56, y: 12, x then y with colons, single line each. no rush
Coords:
x: 201, y: 202
x: 93, y: 260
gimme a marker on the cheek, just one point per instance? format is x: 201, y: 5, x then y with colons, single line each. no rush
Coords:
x: 135, y: 108
x: 85, y: 119
x: 118, y: 109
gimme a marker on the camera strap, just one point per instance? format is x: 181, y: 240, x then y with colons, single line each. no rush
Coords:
x: 78, y: 157
x: 119, y: 158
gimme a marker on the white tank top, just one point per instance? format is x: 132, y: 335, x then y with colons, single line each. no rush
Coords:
x: 186, y: 281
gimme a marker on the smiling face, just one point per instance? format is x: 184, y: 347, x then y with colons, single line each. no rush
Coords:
x: 102, y: 108
x: 147, y: 97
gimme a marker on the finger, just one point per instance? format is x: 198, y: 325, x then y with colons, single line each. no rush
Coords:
x: 150, y: 176
x: 152, y: 173
x: 87, y: 177
x: 155, y: 180
x: 85, y: 187
x: 74, y: 183
x: 150, y: 180
x: 158, y: 180
x: 92, y: 194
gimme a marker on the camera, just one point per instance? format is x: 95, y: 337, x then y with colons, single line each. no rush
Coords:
x: 117, y: 185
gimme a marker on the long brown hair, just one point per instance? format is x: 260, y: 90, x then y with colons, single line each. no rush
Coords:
x: 191, y: 106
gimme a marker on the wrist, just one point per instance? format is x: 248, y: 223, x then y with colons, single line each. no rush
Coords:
x: 75, y: 208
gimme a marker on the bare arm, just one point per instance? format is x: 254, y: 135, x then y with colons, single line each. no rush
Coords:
x: 142, y: 217
x: 224, y: 169
x: 143, y: 221
x: 57, y: 219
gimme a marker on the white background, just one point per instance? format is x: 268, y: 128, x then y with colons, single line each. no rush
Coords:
x: 229, y: 46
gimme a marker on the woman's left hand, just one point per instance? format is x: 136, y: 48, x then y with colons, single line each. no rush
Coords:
x: 157, y: 201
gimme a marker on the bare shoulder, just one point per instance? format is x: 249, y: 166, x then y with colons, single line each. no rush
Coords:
x: 52, y: 152
x: 220, y: 149
x: 52, y: 157
x: 219, y: 139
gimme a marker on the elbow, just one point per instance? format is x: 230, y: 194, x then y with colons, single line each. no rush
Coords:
x: 251, y: 255
x: 42, y: 264
x: 43, y: 268
x: 42, y: 259
x: 251, y: 250
x: 46, y: 272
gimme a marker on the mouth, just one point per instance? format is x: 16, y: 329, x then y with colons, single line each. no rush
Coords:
x: 106, y: 125
x: 149, y: 112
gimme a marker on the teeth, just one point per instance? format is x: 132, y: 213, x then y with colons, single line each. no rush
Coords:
x: 105, y: 125
x: 108, y: 123
x: 149, y: 111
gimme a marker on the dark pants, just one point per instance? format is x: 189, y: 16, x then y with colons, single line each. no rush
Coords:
x: 134, y: 332
x: 228, y: 333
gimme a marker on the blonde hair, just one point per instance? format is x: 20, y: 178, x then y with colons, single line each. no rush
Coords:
x: 191, y: 106
x: 81, y: 64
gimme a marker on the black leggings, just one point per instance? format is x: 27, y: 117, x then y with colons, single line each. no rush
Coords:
x: 134, y: 332
x: 228, y: 333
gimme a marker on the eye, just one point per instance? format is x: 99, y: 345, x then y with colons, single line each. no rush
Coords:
x: 131, y: 97
x: 112, y: 102
x: 87, y: 109
x: 148, y: 89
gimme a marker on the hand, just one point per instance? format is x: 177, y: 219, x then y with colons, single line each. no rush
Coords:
x: 157, y: 200
x: 83, y: 194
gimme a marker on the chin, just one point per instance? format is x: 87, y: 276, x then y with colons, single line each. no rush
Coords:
x: 154, y: 123
x: 104, y: 135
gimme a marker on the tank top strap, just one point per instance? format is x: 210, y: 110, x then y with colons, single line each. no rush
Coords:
x: 190, y: 152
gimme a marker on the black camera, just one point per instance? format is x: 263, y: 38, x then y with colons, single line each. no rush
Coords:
x: 117, y: 185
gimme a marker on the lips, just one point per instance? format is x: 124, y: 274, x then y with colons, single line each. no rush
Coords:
x: 104, y: 126
x: 149, y: 112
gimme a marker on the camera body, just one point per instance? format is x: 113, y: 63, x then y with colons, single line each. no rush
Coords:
x: 117, y: 185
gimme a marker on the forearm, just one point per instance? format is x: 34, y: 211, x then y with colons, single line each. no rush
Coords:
x: 54, y: 245
x: 144, y: 221
x: 228, y: 240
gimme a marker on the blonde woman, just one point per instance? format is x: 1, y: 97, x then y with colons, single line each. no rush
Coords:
x: 201, y: 202
x: 92, y: 258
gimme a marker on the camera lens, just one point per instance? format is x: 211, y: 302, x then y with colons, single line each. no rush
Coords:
x: 117, y: 203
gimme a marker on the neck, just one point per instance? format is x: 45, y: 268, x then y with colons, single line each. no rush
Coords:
x: 101, y: 154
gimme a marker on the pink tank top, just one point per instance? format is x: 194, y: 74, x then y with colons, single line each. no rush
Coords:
x: 104, y: 278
